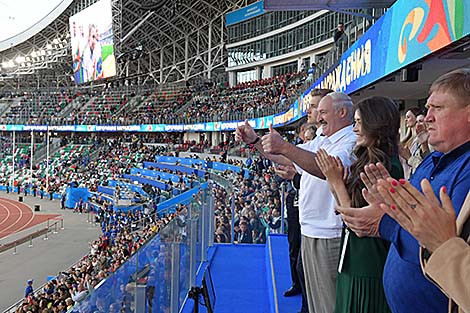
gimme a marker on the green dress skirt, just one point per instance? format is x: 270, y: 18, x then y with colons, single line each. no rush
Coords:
x: 359, y: 286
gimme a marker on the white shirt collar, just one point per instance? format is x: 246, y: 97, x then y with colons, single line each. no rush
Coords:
x: 340, y: 134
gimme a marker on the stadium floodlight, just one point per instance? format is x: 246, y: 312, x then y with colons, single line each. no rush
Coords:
x: 20, y: 59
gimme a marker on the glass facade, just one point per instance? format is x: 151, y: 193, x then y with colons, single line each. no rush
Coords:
x: 294, y: 39
x: 246, y: 76
x: 264, y: 24
x: 291, y: 67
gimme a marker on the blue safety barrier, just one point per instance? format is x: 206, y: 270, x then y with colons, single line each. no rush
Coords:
x: 73, y: 195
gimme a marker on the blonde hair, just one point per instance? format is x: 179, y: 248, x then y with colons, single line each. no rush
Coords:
x: 456, y: 83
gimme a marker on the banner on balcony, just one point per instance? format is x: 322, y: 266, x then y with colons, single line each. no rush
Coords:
x: 408, y: 32
x: 244, y: 13
x: 300, y: 5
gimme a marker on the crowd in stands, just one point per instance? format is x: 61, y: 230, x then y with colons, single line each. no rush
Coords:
x: 119, y: 239
x: 257, y: 207
x: 76, y: 165
x: 181, y: 105
x: 250, y: 99
x: 257, y: 204
x: 100, y: 109
x: 37, y: 107
x: 157, y: 107
x: 117, y: 243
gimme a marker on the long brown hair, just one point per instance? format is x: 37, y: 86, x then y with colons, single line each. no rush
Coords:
x: 406, y: 141
x: 380, y: 124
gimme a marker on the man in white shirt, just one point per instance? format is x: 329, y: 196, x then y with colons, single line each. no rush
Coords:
x: 320, y: 226
x: 92, y: 59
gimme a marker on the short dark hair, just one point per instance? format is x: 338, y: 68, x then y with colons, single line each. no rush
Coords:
x: 320, y: 92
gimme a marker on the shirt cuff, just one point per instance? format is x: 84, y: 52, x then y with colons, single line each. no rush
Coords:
x: 388, y: 228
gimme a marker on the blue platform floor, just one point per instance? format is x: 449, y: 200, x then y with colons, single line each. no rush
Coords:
x: 239, y: 277
x: 282, y: 277
x: 243, y: 282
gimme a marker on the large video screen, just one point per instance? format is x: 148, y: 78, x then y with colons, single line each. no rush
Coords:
x: 91, y: 35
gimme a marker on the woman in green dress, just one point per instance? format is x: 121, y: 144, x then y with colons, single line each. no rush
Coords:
x: 359, y: 283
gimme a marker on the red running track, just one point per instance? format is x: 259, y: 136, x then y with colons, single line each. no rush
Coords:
x: 16, y: 216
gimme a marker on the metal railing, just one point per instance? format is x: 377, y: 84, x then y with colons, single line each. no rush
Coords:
x: 51, y: 226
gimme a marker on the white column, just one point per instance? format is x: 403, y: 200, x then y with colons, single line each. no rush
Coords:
x: 13, y: 162
x: 259, y: 70
x: 232, y: 78
x: 47, y: 159
x: 31, y: 160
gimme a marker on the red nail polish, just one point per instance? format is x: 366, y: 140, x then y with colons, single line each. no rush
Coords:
x: 393, y: 207
x: 392, y: 190
x: 444, y: 189
x: 394, y: 183
x: 402, y: 181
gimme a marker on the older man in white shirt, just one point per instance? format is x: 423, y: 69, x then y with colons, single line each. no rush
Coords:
x: 320, y: 226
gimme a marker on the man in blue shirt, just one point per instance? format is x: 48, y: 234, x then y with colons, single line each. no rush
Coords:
x: 29, y: 288
x: 448, y: 119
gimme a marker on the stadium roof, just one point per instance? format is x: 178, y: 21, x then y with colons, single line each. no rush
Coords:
x: 18, y: 24
x: 186, y: 37
x: 156, y: 41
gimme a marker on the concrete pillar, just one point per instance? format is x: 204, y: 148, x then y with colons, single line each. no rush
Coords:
x: 259, y: 72
x: 266, y: 71
x: 216, y: 138
x: 232, y: 78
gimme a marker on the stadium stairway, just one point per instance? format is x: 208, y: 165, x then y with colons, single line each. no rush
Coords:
x: 251, y: 278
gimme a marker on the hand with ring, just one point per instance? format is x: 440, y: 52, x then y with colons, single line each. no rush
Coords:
x: 421, y: 214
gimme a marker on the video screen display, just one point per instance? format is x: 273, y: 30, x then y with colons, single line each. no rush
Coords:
x: 91, y: 35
